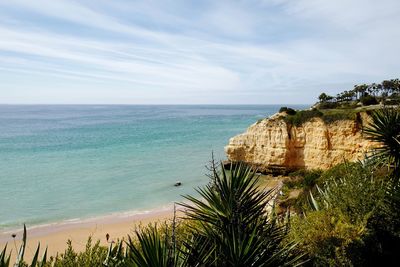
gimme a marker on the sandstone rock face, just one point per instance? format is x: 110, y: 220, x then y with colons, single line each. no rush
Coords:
x: 273, y: 144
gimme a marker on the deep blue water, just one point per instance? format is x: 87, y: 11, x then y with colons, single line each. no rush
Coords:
x: 65, y: 162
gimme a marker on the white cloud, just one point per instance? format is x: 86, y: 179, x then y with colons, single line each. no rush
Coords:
x: 229, y: 52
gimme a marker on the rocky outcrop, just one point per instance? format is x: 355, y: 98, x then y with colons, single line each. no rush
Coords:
x: 272, y: 144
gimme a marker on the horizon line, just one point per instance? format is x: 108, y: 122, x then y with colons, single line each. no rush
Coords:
x: 148, y: 104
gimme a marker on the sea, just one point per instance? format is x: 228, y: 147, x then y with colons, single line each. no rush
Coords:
x: 72, y: 162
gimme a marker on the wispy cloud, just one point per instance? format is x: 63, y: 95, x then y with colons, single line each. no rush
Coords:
x: 193, y: 52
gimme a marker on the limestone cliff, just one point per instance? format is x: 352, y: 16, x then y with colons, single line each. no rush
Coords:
x: 273, y: 144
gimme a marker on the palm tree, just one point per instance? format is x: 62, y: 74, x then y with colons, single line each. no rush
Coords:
x: 385, y: 129
x: 325, y: 98
x: 231, y: 221
x: 388, y: 86
x: 361, y: 90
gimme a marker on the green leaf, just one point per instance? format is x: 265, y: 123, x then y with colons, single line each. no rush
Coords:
x: 35, y: 257
x: 20, y: 257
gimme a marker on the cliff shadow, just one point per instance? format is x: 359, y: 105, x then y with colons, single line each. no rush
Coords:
x: 294, y: 156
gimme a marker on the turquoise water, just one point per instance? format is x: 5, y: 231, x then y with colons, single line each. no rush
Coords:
x: 65, y: 162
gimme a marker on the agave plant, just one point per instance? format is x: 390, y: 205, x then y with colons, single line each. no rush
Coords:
x: 385, y: 129
x: 231, y: 225
x: 5, y: 260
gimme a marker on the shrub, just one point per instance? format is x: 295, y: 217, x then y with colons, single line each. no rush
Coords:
x: 293, y: 182
x: 382, y: 244
x: 368, y: 100
x: 302, y: 116
x: 324, y: 235
x: 337, y: 115
x: 355, y: 192
x: 93, y: 255
x: 287, y: 110
x: 303, y: 178
x: 304, y: 181
x: 334, y: 226
x: 336, y: 172
x: 328, y: 105
x: 392, y: 101
x: 311, y: 177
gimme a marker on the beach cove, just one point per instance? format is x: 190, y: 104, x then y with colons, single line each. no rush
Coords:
x: 73, y: 171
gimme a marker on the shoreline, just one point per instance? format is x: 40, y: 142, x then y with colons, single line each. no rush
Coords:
x: 55, y: 235
x: 69, y: 223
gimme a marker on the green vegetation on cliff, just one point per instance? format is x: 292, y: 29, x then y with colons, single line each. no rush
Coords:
x: 349, y: 215
x: 328, y: 116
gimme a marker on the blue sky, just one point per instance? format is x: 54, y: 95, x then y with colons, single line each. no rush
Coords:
x: 193, y: 52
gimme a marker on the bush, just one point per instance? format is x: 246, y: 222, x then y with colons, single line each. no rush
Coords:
x: 287, y: 110
x: 354, y: 191
x: 382, y: 244
x: 336, y: 172
x: 303, y: 116
x: 304, y: 181
x: 310, y: 178
x: 324, y: 236
x: 331, y: 116
x: 369, y: 100
x: 303, y: 178
x: 328, y: 105
x: 293, y: 182
x: 335, y: 225
x: 391, y: 101
x: 93, y: 255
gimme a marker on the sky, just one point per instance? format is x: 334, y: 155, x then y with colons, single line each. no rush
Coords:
x: 193, y: 52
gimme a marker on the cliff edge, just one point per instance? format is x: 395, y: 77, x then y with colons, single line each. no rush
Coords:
x: 273, y: 144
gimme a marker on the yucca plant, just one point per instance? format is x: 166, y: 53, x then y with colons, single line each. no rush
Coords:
x: 385, y: 130
x: 5, y: 260
x: 231, y: 225
x: 158, y: 247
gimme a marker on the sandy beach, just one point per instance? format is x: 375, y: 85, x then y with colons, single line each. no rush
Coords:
x: 56, y: 235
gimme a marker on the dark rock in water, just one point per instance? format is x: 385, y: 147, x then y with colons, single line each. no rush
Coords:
x: 178, y: 184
